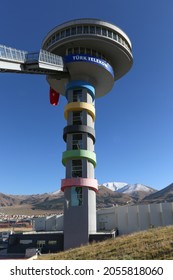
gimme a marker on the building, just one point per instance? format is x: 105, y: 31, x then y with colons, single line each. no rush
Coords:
x: 49, y: 223
x: 52, y: 242
x: 127, y: 219
x: 48, y: 235
x: 96, y: 54
x: 135, y: 218
x: 81, y: 59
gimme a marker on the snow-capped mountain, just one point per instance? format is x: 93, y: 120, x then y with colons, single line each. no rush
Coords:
x: 136, y: 190
x: 115, y: 186
x: 55, y: 192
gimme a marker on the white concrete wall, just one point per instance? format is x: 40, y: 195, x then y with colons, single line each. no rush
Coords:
x: 134, y: 218
x: 127, y: 219
x: 167, y: 213
x: 60, y: 222
x: 39, y: 224
x: 50, y: 223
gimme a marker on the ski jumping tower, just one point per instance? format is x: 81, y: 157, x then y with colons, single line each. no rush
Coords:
x: 81, y: 60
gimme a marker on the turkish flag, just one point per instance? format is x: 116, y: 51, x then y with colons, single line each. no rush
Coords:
x: 54, y: 97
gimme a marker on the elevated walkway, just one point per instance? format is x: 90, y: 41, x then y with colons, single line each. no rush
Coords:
x: 42, y: 62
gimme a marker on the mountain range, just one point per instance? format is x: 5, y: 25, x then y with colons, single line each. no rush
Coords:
x: 109, y: 194
x: 137, y: 191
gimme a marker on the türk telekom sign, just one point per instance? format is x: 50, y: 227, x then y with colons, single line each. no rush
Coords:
x: 90, y: 59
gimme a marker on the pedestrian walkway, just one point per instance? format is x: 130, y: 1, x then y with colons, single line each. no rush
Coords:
x: 42, y: 62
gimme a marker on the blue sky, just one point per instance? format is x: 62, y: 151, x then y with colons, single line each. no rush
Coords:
x: 134, y: 121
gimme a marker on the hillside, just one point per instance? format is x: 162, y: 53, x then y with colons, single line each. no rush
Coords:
x: 112, y: 194
x: 154, y: 244
x: 8, y: 200
x: 54, y: 202
x: 107, y: 198
x: 164, y: 195
x: 31, y: 204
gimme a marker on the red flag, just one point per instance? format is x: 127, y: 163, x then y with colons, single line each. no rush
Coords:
x: 54, y: 97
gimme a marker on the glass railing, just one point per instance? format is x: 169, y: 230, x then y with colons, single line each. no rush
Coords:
x: 11, y: 54
x: 31, y: 57
x: 8, y: 53
x: 51, y: 58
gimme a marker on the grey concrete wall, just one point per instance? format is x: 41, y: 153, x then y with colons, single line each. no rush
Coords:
x: 60, y: 222
x: 90, y: 120
x: 88, y: 98
x: 90, y: 171
x: 134, y: 218
x: 144, y: 217
x: 126, y: 218
x: 167, y: 213
x: 122, y: 219
x: 90, y: 145
x: 50, y: 223
x: 75, y: 221
x: 39, y: 223
x: 92, y: 224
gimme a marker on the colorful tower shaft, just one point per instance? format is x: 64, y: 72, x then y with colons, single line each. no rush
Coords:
x: 79, y: 187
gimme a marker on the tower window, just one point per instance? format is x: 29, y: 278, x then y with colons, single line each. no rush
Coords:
x: 94, y: 53
x: 104, y: 32
x: 73, y: 30
x: 76, y: 196
x: 98, y: 30
x: 57, y: 36
x: 77, y: 95
x: 109, y: 34
x: 114, y: 36
x: 69, y: 51
x: 63, y: 34
x: 68, y: 32
x: 76, y: 50
x: 92, y: 29
x: 77, y: 141
x: 85, y: 29
x: 77, y: 117
x: 53, y: 39
x: 76, y: 168
x: 79, y: 29
x: 82, y: 50
x: 99, y: 54
x: 88, y: 51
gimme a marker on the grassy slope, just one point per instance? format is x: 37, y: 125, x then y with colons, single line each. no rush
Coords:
x: 156, y: 244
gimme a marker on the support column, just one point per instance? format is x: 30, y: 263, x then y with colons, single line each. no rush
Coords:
x: 79, y: 159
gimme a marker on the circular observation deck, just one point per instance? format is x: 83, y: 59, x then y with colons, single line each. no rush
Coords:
x: 91, y: 37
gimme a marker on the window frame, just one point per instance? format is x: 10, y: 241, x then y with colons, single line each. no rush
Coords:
x: 77, y: 144
x: 76, y: 168
x: 77, y: 95
x: 77, y: 120
x: 76, y: 196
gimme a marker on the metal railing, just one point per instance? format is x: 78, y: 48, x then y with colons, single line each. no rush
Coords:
x: 51, y: 58
x: 11, y: 54
x: 8, y: 53
x: 44, y: 56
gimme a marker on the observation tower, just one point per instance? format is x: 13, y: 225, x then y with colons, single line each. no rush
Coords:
x: 81, y: 60
x: 96, y: 54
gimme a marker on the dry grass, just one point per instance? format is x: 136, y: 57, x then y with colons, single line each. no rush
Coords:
x: 16, y: 229
x: 155, y: 244
x: 27, y: 210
